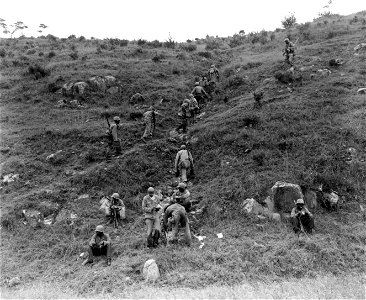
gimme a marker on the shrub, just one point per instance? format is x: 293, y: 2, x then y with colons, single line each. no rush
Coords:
x: 236, y: 40
x: 103, y: 46
x: 52, y: 37
x: 38, y: 71
x: 212, y: 44
x: 289, y: 21
x: 71, y: 37
x: 170, y: 43
x: 118, y: 42
x: 188, y: 47
x: 155, y: 44
x: 51, y: 54
x: 41, y: 54
x: 2, y: 52
x: 331, y: 34
x: 206, y: 54
x: 272, y: 36
x: 74, y: 55
x: 81, y: 38
x: 141, y: 42
x: 181, y: 56
x: 158, y: 57
x: 73, y: 47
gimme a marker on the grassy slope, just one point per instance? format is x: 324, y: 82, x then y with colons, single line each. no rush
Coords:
x: 302, y: 138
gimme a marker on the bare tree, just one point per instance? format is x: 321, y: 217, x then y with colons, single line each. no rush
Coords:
x: 42, y: 27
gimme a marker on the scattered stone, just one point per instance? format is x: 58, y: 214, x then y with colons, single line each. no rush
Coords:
x: 61, y: 103
x: 10, y: 178
x: 79, y: 88
x: 53, y: 156
x: 332, y: 199
x: 276, y: 217
x: 113, y: 90
x: 110, y: 81
x: 360, y: 47
x: 67, y: 89
x: 66, y: 215
x: 151, y: 271
x: 324, y: 72
x: 48, y: 208
x: 250, y: 206
x: 32, y: 217
x: 361, y: 91
x: 306, y: 68
x: 284, y: 196
x: 84, y: 197
x: 14, y: 281
x: 98, y: 83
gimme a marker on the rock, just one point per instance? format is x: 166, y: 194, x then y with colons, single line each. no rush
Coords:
x: 335, y: 62
x: 306, y: 68
x: 136, y: 98
x: 61, y: 103
x: 250, y: 206
x: 48, y: 208
x: 33, y: 218
x: 14, y: 281
x: 270, y: 204
x: 113, y: 90
x: 276, y: 217
x: 67, y: 89
x: 151, y: 271
x: 84, y: 197
x: 332, y: 199
x: 359, y: 47
x: 176, y: 136
x: 66, y: 215
x: 97, y: 83
x: 284, y: 196
x: 324, y: 72
x: 110, y: 81
x: 10, y: 178
x: 53, y: 156
x: 310, y: 199
x: 361, y: 91
x: 268, y: 81
x: 79, y: 88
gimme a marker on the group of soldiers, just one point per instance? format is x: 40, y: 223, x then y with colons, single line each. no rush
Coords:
x: 160, y: 217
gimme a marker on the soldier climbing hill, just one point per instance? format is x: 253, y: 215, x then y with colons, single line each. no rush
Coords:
x: 288, y: 51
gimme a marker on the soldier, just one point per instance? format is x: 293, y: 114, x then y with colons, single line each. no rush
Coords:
x: 100, y: 244
x: 289, y: 49
x: 213, y: 74
x: 149, y: 121
x: 174, y: 216
x: 183, y: 163
x: 301, y: 218
x: 204, y: 82
x: 183, y: 114
x: 151, y: 207
x: 182, y: 197
x: 116, y: 132
x: 199, y: 93
x: 193, y: 107
x: 117, y: 204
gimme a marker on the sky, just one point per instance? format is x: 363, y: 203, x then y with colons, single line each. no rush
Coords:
x: 156, y: 19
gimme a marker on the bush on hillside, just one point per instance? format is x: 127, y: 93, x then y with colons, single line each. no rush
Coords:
x: 31, y: 51
x: 41, y: 54
x: 74, y: 55
x: 52, y: 38
x: 38, y: 71
x: 141, y: 42
x: 81, y: 38
x: 188, y: 47
x: 170, y: 43
x: 2, y: 52
x: 272, y: 36
x: 155, y: 44
x: 71, y: 37
x: 236, y: 40
x: 213, y: 43
x: 51, y: 54
x: 289, y: 21
x: 206, y: 54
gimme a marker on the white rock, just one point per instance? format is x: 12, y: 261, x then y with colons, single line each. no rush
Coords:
x: 361, y: 91
x: 151, y: 271
x: 14, y: 281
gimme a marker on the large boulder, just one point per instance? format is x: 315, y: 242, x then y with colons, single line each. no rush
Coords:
x: 109, y: 81
x: 151, y: 271
x: 136, y: 98
x: 98, y: 83
x: 67, y: 89
x: 284, y: 196
x: 79, y: 88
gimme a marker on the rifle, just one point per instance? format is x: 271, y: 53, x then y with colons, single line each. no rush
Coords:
x: 109, y: 133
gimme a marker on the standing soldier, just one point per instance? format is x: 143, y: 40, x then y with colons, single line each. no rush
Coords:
x: 289, y: 49
x: 199, y: 93
x: 213, y: 74
x: 116, y: 132
x: 183, y: 114
x: 151, y: 207
x: 193, y: 107
x: 183, y: 163
x: 149, y: 121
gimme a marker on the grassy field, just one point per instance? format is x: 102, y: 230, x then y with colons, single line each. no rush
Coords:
x: 301, y: 135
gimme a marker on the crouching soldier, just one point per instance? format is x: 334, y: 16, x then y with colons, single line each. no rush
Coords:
x: 152, y: 209
x: 183, y: 163
x: 182, y: 196
x: 289, y: 49
x: 100, y: 244
x: 301, y: 218
x: 115, y: 204
x: 174, y: 216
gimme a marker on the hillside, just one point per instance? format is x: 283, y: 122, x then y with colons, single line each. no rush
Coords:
x: 300, y: 135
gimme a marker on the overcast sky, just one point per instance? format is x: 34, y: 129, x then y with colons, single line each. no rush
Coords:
x: 155, y: 19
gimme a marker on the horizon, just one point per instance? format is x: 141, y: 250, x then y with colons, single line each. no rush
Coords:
x: 224, y: 21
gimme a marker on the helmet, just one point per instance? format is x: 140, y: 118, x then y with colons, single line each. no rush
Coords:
x: 182, y: 185
x: 99, y: 228
x: 115, y: 196
x: 190, y: 95
x: 212, y: 66
x: 183, y: 147
x: 300, y: 201
x: 116, y: 118
x: 286, y: 40
x: 150, y: 190
x: 197, y: 83
x: 186, y: 101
